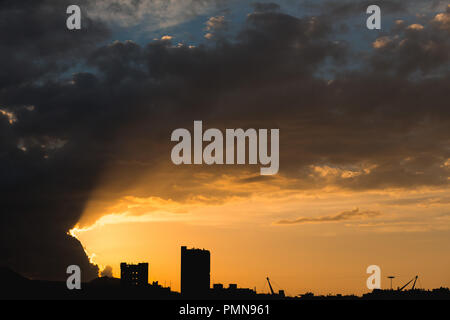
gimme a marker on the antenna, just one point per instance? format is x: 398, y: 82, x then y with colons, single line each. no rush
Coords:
x: 391, y: 277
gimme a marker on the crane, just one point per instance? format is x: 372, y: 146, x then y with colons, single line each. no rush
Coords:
x: 413, y: 286
x: 270, y: 286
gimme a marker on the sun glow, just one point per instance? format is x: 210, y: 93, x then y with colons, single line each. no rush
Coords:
x: 74, y: 232
x: 242, y: 233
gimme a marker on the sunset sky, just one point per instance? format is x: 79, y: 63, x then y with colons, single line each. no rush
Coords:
x: 86, y: 118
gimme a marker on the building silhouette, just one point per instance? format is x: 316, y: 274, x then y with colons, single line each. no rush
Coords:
x: 134, y: 275
x: 219, y: 292
x: 195, y: 285
x: 195, y: 272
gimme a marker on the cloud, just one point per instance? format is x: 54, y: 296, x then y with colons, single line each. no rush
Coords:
x: 104, y: 111
x: 354, y: 214
x: 345, y: 8
x: 265, y: 6
x: 215, y: 26
x: 442, y: 20
x: 41, y: 199
x: 46, y: 47
x: 107, y: 272
x: 414, y: 48
x: 415, y: 26
x: 150, y: 14
x: 216, y: 23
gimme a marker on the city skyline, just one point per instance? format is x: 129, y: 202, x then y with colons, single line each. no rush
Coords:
x: 195, y: 279
x: 388, y: 280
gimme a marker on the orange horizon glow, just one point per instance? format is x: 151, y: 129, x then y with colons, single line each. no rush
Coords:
x: 407, y: 232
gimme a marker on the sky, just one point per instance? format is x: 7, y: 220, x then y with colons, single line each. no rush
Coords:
x: 86, y: 118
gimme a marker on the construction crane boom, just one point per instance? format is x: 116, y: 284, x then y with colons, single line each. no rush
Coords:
x: 414, y: 279
x: 414, y: 284
x: 270, y: 286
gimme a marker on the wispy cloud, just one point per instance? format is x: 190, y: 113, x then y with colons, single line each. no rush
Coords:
x: 342, y: 216
x: 154, y: 14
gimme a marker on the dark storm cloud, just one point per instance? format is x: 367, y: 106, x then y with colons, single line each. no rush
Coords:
x: 265, y: 6
x: 35, y: 41
x: 414, y: 47
x: 108, y: 125
x: 44, y: 188
x: 345, y: 8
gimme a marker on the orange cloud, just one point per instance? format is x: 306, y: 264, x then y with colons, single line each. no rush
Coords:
x: 345, y: 215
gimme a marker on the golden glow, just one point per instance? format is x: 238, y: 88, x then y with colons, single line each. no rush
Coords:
x: 407, y: 236
x: 91, y: 256
x: 415, y: 26
x: 381, y: 42
x: 11, y: 116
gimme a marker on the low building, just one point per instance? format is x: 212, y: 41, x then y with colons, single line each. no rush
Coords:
x: 134, y: 275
